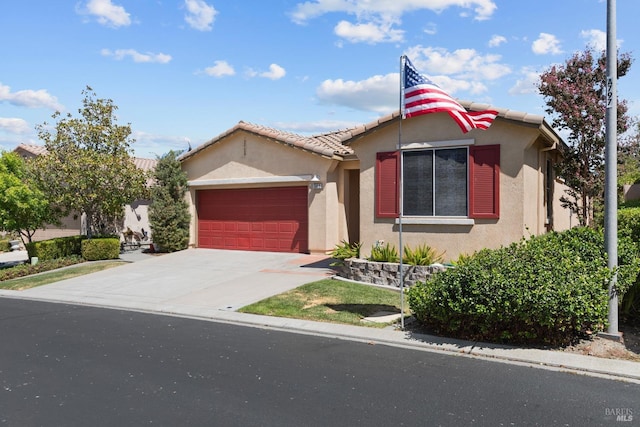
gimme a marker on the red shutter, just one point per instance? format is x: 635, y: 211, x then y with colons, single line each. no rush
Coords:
x: 387, y: 179
x: 484, y: 184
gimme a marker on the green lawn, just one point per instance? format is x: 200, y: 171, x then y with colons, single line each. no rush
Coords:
x: 57, y: 275
x: 330, y: 301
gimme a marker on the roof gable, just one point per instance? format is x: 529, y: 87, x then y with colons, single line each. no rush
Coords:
x: 328, y: 144
x: 336, y: 144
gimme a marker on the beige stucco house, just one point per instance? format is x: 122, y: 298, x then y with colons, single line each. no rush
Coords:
x: 258, y: 188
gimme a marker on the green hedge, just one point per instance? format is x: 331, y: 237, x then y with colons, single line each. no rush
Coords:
x: 549, y: 289
x: 101, y: 248
x: 60, y: 247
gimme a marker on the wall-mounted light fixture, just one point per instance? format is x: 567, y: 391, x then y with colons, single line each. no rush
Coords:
x: 315, y: 183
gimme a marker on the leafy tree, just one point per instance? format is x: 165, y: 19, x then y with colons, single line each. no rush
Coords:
x: 629, y: 158
x: 23, y: 207
x: 169, y: 216
x: 88, y: 168
x: 575, y: 97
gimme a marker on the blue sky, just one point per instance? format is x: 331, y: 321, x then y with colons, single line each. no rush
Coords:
x: 184, y: 71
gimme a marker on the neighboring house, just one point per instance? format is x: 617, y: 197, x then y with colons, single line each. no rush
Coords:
x: 135, y: 215
x: 258, y: 188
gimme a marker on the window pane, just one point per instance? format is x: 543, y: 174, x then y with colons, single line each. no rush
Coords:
x: 417, y: 177
x: 451, y: 182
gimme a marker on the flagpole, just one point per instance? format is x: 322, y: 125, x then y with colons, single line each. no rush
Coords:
x: 400, y: 190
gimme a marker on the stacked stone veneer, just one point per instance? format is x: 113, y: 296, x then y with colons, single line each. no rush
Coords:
x: 385, y: 273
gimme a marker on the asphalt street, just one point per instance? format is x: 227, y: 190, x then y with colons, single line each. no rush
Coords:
x: 67, y: 365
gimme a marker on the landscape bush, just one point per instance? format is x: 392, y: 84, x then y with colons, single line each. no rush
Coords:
x: 23, y: 270
x: 629, y: 223
x: 386, y: 253
x: 550, y: 289
x: 421, y: 255
x: 101, y: 249
x: 346, y: 250
x: 60, y: 247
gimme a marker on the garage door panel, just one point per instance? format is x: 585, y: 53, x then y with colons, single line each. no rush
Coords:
x: 267, y: 219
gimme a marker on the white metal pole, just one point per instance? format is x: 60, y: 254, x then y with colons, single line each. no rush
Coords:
x: 611, y: 165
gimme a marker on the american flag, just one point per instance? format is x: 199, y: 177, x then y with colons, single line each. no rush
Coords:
x: 422, y: 96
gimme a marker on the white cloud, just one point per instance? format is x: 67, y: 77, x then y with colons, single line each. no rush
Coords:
x: 545, y: 44
x: 497, y: 40
x: 369, y: 32
x: 220, y: 69
x: 275, y: 72
x: 465, y: 64
x: 375, y: 19
x: 29, y: 98
x: 597, y: 39
x: 200, y: 15
x: 431, y: 28
x: 316, y: 127
x: 385, y: 9
x: 527, y: 84
x: 378, y: 93
x: 107, y: 13
x: 151, y: 145
x: 120, y: 54
x: 14, y: 125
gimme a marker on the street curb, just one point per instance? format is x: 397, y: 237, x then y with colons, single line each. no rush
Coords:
x: 616, y: 369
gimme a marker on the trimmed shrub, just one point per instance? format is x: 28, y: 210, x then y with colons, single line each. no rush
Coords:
x: 549, y: 289
x: 60, y: 247
x: 101, y: 248
x: 629, y: 223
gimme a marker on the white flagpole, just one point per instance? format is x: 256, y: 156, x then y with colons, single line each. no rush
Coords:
x: 400, y: 190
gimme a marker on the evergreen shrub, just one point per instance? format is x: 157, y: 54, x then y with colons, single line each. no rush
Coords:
x: 550, y: 289
x: 100, y: 249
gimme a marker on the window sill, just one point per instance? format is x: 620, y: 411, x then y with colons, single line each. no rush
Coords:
x: 436, y: 221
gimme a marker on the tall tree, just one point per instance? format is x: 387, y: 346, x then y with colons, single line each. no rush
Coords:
x: 169, y: 215
x: 575, y: 97
x: 629, y: 158
x: 89, y: 168
x: 23, y: 207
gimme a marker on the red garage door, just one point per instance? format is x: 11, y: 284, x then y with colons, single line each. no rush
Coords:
x: 254, y: 219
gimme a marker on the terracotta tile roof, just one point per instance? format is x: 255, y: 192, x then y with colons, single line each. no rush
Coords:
x: 32, y: 149
x: 327, y: 144
x: 144, y: 164
x: 37, y: 150
x: 336, y: 143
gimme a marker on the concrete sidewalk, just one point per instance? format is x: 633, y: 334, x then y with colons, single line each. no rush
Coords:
x: 211, y: 285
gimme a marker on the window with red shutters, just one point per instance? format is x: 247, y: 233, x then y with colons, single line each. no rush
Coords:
x: 482, y: 183
x: 387, y: 179
x: 484, y: 191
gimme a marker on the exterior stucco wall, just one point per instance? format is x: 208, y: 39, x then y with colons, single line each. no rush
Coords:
x: 516, y: 177
x: 136, y: 217
x: 70, y: 227
x: 563, y: 218
x: 246, y: 160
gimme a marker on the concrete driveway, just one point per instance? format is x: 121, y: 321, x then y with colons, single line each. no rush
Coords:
x: 194, y: 281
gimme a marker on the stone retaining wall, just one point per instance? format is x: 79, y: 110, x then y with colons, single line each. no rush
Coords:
x: 385, y: 273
